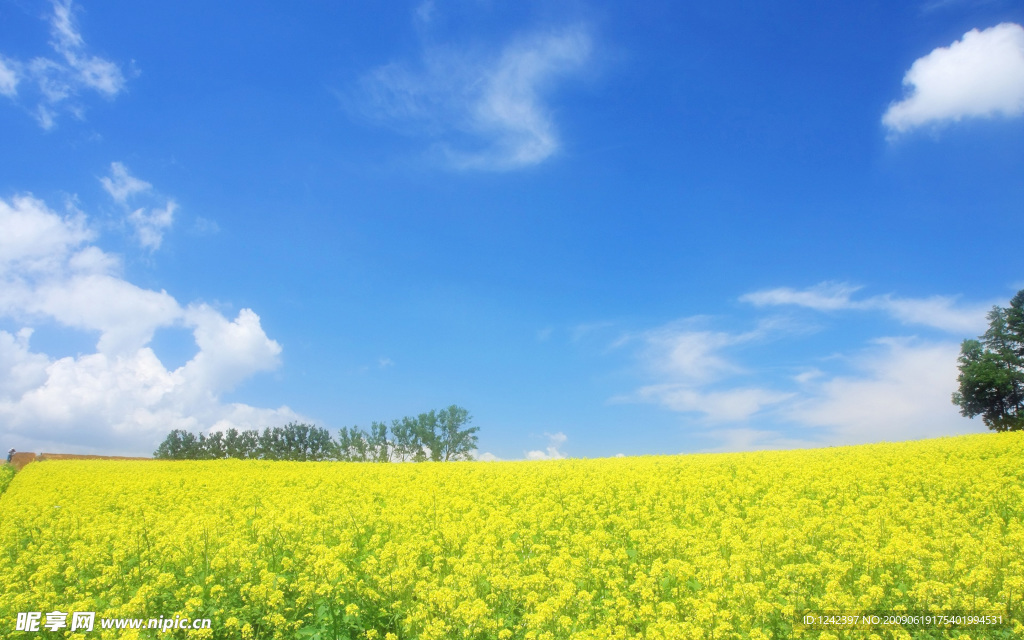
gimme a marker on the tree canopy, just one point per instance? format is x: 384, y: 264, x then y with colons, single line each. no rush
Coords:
x: 437, y: 435
x: 992, y: 370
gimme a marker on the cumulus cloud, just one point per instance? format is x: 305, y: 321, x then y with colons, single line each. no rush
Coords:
x: 980, y: 75
x: 126, y: 319
x: 939, y: 312
x: 36, y: 239
x: 552, y: 451
x: 229, y: 350
x: 120, y: 398
x: 485, y: 111
x: 151, y: 221
x: 21, y: 370
x: 61, y: 79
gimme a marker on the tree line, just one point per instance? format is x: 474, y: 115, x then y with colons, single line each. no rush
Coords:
x: 438, y: 436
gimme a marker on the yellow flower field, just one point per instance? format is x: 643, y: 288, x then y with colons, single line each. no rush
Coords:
x: 698, y: 546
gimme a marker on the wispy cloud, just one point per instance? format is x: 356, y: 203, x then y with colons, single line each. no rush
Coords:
x: 827, y: 296
x: 683, y: 352
x: 980, y: 75
x: 688, y: 362
x: 750, y: 439
x: 939, y: 312
x: 150, y: 222
x: 121, y: 185
x: 60, y: 79
x: 892, y: 388
x: 8, y: 78
x: 484, y: 111
x: 729, y: 405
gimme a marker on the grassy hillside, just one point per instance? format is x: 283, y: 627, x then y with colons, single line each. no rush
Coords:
x: 699, y: 546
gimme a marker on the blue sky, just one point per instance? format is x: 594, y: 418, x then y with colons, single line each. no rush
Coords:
x: 603, y: 229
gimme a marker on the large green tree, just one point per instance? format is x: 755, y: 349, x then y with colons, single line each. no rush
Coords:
x: 992, y: 370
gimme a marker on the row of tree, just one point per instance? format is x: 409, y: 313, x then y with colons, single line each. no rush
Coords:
x: 440, y: 436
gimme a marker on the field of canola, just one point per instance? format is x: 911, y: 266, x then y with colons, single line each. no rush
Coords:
x: 674, y: 547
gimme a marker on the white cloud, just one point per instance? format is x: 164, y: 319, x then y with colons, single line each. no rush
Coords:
x: 60, y: 79
x: 827, y: 296
x: 691, y: 355
x: 63, y: 27
x: 47, y: 272
x: 486, y: 457
x: 121, y: 398
x: 939, y: 312
x: 748, y: 439
x: 687, y: 362
x: 897, y: 389
x: 36, y: 239
x: 552, y: 451
x: 901, y: 392
x: 126, y: 316
x: 86, y: 70
x: 229, y: 351
x: 730, y: 405
x: 121, y: 185
x: 8, y: 79
x: 150, y: 222
x: 21, y: 370
x: 486, y: 112
x: 121, y: 404
x: 981, y: 75
x: 809, y: 375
